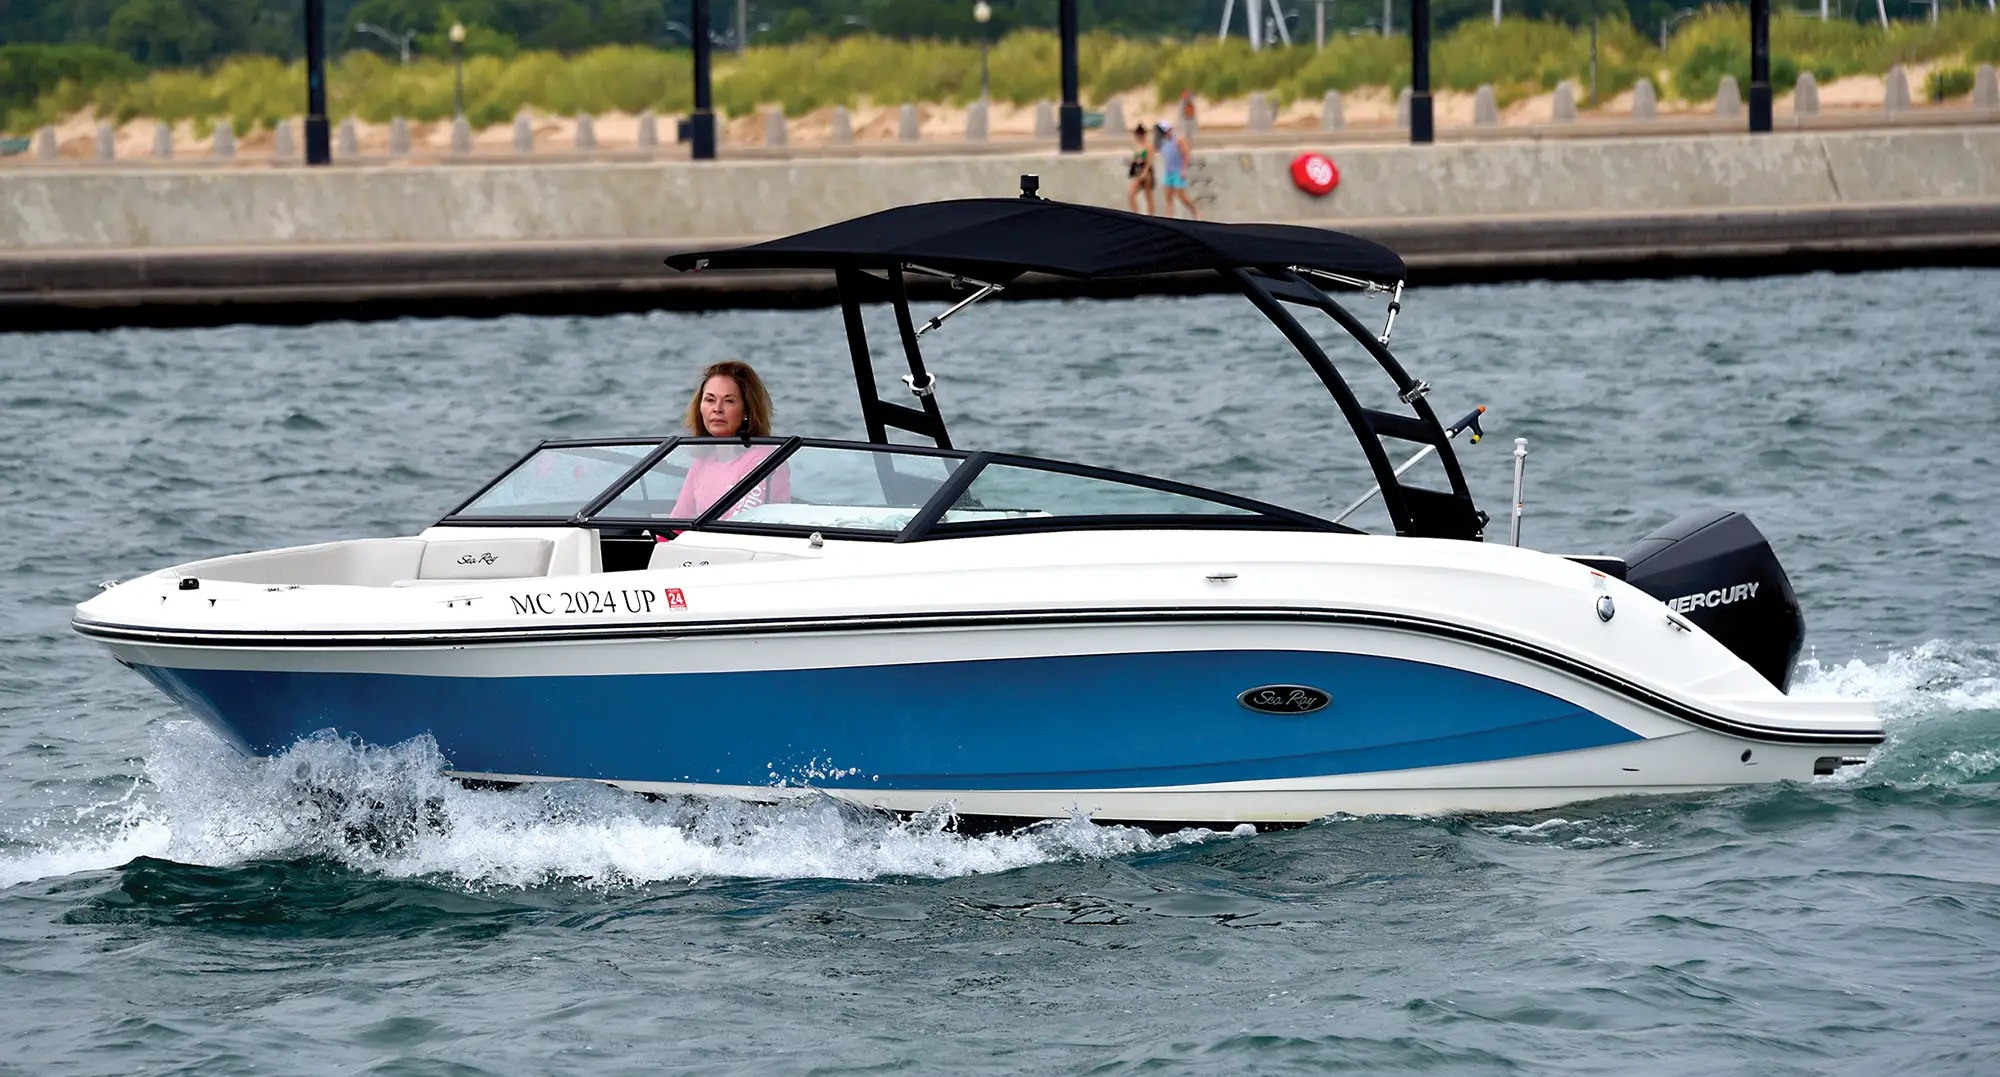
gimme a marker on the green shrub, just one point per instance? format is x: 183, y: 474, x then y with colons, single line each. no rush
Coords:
x: 1716, y: 42
x: 1518, y: 58
x: 29, y: 73
x: 1948, y: 82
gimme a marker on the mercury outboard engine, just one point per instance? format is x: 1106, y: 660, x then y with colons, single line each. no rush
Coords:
x: 1715, y: 569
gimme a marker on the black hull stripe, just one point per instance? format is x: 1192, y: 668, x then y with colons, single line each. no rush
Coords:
x: 879, y: 623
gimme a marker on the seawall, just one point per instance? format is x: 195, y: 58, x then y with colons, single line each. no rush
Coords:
x: 108, y: 245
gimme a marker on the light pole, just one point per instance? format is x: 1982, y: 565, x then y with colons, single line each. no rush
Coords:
x: 1667, y: 25
x: 457, y: 35
x: 319, y: 146
x: 701, y: 122
x: 982, y: 13
x: 1069, y: 118
x: 1760, y: 67
x: 1421, y: 130
x: 401, y: 41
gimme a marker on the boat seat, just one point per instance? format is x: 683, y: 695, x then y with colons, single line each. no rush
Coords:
x: 485, y: 559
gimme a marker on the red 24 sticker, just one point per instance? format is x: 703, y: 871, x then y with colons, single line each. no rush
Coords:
x: 675, y: 599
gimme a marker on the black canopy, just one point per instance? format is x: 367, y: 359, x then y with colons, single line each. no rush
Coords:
x: 997, y: 239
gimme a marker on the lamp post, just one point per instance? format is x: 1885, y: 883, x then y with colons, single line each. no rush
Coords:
x: 457, y: 35
x: 1667, y: 24
x: 401, y: 41
x: 1070, y: 119
x: 982, y: 13
x: 701, y: 125
x: 1420, y: 71
x: 319, y: 146
x: 1760, y: 66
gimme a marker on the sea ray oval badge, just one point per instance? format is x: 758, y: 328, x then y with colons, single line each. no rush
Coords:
x: 1284, y: 699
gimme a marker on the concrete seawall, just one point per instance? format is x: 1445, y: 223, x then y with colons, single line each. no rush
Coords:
x: 67, y: 235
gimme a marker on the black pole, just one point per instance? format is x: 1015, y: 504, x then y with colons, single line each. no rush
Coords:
x: 1760, y: 66
x: 319, y: 148
x: 1070, y: 121
x: 1420, y: 71
x: 701, y: 125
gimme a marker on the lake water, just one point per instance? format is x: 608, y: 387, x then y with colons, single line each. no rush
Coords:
x: 168, y: 907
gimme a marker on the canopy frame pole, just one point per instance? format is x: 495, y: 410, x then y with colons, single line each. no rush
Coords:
x: 1408, y: 389
x: 1343, y: 395
x: 937, y: 321
x: 857, y: 286
x: 922, y: 383
x: 849, y: 284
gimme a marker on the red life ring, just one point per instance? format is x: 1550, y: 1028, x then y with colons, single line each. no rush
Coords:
x: 1315, y: 174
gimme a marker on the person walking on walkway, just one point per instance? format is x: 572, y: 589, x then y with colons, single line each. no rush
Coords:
x: 1140, y: 171
x: 1174, y: 155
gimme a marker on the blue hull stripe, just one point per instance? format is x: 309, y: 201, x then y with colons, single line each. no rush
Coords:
x: 1067, y: 722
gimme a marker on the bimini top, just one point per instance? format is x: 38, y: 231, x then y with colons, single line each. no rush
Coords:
x: 998, y: 239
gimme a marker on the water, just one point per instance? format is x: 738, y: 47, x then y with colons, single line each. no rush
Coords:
x: 167, y: 907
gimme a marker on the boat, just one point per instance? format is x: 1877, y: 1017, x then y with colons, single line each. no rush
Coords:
x: 914, y: 625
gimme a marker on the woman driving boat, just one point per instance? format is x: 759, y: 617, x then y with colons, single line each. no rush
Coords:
x: 730, y: 401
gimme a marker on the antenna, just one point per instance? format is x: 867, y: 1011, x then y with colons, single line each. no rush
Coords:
x: 1030, y: 183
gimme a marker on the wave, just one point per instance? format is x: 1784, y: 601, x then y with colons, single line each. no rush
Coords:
x: 390, y: 812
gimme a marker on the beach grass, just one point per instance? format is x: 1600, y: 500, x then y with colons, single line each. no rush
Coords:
x: 1519, y: 58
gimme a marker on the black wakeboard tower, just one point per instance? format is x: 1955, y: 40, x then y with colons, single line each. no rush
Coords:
x: 986, y: 243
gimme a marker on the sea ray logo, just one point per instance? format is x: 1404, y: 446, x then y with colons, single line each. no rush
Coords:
x: 1284, y: 699
x: 1708, y: 600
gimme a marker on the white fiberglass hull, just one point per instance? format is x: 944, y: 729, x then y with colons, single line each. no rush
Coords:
x: 1454, y: 677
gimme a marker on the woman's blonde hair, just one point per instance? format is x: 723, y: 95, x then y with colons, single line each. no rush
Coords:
x: 756, y: 401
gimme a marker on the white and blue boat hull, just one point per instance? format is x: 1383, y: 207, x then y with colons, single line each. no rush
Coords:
x: 1129, y: 714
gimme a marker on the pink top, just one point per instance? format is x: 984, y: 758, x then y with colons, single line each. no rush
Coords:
x: 716, y: 468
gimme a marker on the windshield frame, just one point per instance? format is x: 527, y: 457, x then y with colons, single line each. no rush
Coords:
x: 927, y: 520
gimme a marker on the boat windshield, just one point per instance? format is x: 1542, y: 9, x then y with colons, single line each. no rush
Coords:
x: 556, y: 480
x: 796, y: 486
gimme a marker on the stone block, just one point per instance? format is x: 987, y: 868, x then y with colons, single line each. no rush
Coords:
x: 163, y: 140
x: 1114, y: 118
x: 1403, y: 110
x: 283, y: 144
x: 1728, y: 99
x: 1985, y: 88
x: 1485, y: 110
x: 1805, y: 95
x: 776, y: 132
x: 350, y: 139
x: 107, y: 142
x: 1261, y: 114
x: 524, y: 133
x: 1045, y: 119
x: 1332, y: 114
x: 223, y: 145
x: 1563, y: 108
x: 461, y: 136
x: 586, y: 133
x: 1896, y: 90
x: 908, y: 128
x: 649, y: 130
x: 399, y: 137
x: 976, y: 122
x: 1645, y: 103
x: 840, y: 129
x: 45, y: 145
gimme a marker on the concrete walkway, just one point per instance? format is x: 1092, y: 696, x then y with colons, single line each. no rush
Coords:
x: 109, y: 246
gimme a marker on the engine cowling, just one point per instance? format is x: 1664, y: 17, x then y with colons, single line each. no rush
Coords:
x: 1717, y: 570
